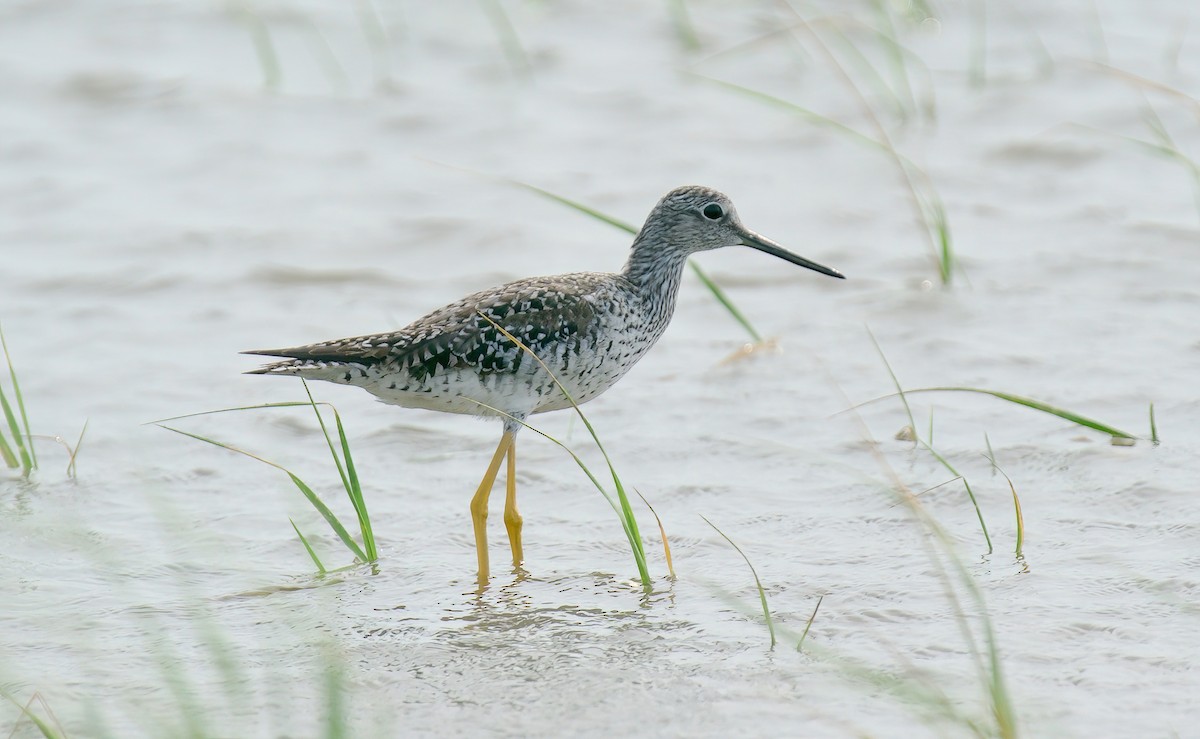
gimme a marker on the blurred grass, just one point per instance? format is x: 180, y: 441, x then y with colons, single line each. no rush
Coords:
x: 48, y: 726
x: 506, y: 33
x: 923, y: 195
x: 681, y: 23
x: 260, y: 39
x: 984, y: 650
x: 377, y: 40
x: 1160, y: 144
x: 808, y: 624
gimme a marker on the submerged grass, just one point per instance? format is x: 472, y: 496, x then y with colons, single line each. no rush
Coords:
x: 368, y: 552
x: 762, y: 593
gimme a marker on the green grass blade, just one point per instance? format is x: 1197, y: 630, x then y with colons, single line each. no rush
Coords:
x: 325, y: 432
x: 308, y: 547
x: 662, y: 531
x: 26, y: 462
x: 1036, y: 405
x: 724, y: 300
x: 1020, y: 548
x: 6, y: 452
x: 970, y: 494
x: 945, y: 245
x: 281, y: 404
x: 75, y: 450
x: 1153, y: 427
x: 355, y: 492
x: 313, y: 498
x: 808, y: 115
x: 991, y: 455
x: 707, y: 281
x: 576, y: 205
x: 631, y: 527
x: 895, y: 381
x: 348, y: 473
x: 12, y: 374
x: 329, y: 517
x: 809, y: 624
x: 762, y: 593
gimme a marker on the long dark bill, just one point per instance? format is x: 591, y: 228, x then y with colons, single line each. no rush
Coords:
x: 762, y: 243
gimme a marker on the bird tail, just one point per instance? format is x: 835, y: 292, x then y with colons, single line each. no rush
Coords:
x: 342, y: 373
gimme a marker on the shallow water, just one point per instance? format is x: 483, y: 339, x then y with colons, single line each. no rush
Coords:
x: 161, y: 212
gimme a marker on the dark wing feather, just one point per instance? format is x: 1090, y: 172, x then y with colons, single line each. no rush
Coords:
x: 541, y: 312
x: 541, y: 316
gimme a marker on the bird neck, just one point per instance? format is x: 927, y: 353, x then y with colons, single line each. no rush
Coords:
x: 654, y: 270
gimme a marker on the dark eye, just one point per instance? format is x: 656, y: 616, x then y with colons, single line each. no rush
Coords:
x: 713, y: 212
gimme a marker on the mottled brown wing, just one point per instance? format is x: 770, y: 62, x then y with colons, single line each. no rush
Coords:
x: 542, y: 313
x: 543, y: 318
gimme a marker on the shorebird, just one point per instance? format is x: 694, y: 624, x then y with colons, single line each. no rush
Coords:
x: 589, y: 328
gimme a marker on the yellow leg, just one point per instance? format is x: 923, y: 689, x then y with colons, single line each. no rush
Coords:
x: 512, y: 517
x: 479, y: 506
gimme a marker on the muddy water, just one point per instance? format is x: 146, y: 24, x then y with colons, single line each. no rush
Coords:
x: 161, y: 212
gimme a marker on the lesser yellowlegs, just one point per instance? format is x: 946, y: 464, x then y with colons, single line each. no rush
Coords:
x: 589, y: 328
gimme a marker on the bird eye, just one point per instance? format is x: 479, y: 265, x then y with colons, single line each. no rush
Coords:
x: 713, y: 212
